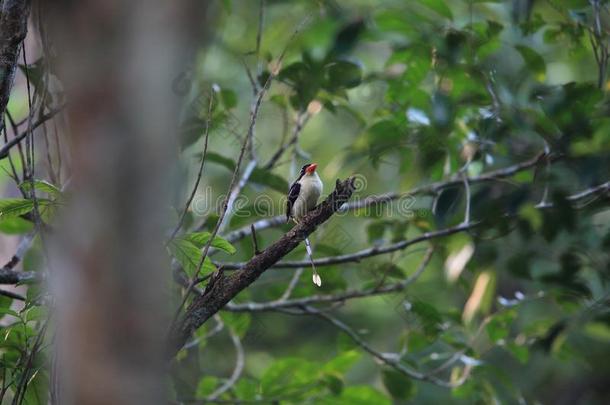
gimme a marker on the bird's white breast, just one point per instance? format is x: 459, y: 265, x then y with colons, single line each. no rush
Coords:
x: 311, y: 189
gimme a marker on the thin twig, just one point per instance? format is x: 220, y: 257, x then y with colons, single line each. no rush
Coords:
x: 250, y: 137
x: 431, y: 188
x: 225, y: 206
x: 200, y: 173
x: 333, y: 298
x: 259, y: 35
x: 467, y: 191
x: 13, y: 295
x: 294, y: 281
x: 19, y: 148
x: 302, y: 118
x: 237, y: 370
x: 18, y: 138
x: 10, y: 159
x: 255, y: 242
x: 366, y: 253
x: 384, y: 358
x: 379, y: 250
x: 235, y: 192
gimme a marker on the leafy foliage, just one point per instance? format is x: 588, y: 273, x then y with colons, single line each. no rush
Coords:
x: 430, y: 90
x: 415, y: 98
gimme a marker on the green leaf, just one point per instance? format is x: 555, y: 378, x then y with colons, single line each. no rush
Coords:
x: 36, y: 314
x: 343, y: 74
x: 398, y: 385
x: 428, y: 315
x: 533, y: 60
x: 520, y: 352
x: 227, y: 5
x: 390, y: 270
x: 15, y: 226
x: 15, y: 206
x: 206, y: 386
x: 599, y: 331
x: 362, y: 395
x: 499, y: 325
x: 229, y: 98
x: 267, y: 178
x: 375, y: 231
x: 238, y: 322
x: 347, y: 37
x: 334, y: 383
x: 8, y: 311
x: 343, y: 362
x: 189, y: 256
x: 191, y: 130
x: 259, y: 176
x: 246, y: 389
x: 41, y: 185
x: 221, y: 160
x: 200, y: 239
x: 38, y: 386
x: 439, y: 7
x: 5, y: 302
x: 288, y: 376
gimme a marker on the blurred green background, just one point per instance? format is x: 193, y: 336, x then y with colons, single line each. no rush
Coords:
x: 413, y: 92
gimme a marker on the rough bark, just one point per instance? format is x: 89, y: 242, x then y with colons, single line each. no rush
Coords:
x: 13, y: 29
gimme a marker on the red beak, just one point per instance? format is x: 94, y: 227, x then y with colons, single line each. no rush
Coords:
x: 311, y: 168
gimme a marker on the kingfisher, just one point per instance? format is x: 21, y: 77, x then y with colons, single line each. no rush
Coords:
x: 304, y: 193
x: 302, y: 198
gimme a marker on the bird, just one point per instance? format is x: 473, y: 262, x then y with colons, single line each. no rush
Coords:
x: 302, y: 198
x: 304, y: 193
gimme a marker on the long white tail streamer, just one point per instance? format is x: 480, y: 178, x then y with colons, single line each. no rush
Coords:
x: 317, y: 280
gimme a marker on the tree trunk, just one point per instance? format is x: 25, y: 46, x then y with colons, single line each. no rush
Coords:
x: 109, y: 273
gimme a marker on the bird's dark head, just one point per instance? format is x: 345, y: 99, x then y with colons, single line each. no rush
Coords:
x: 309, y: 168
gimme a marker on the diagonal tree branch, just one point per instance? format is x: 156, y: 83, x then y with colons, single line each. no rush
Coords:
x: 221, y: 289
